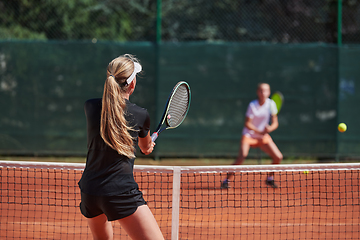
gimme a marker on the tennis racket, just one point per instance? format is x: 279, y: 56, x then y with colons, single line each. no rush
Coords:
x: 278, y: 98
x: 176, y: 108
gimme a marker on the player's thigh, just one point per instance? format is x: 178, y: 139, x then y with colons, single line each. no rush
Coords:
x: 272, y: 150
x: 142, y: 225
x: 100, y: 227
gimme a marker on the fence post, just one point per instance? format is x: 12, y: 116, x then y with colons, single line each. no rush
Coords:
x: 158, y: 21
x: 157, y: 67
x: 339, y: 44
x: 339, y: 21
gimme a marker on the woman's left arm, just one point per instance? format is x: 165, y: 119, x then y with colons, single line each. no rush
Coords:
x: 274, y: 124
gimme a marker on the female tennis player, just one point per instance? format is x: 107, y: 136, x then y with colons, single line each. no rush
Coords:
x: 114, y: 125
x: 256, y: 131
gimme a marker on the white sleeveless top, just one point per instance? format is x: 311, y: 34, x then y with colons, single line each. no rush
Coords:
x: 260, y: 116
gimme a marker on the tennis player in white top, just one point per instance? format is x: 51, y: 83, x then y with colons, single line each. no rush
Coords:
x: 261, y: 119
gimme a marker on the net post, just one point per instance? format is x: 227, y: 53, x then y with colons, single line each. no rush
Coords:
x: 175, y: 203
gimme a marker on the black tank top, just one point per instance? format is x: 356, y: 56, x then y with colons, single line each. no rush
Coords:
x: 108, y: 173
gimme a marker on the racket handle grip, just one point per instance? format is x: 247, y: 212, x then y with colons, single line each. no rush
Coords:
x: 154, y: 136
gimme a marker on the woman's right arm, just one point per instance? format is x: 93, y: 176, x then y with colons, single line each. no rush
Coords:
x: 146, y: 145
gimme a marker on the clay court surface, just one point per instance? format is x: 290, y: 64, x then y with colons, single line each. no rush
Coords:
x: 37, y: 204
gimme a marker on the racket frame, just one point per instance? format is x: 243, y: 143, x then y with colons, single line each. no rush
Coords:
x: 166, y: 110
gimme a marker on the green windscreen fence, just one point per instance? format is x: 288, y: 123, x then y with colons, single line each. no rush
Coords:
x: 349, y: 100
x: 44, y: 86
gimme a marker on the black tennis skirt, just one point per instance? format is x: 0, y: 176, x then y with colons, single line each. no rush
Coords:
x: 114, y: 207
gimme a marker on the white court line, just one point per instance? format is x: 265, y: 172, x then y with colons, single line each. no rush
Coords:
x: 62, y: 223
x: 202, y: 224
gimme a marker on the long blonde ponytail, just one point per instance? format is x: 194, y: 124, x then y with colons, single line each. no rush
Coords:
x: 114, y: 128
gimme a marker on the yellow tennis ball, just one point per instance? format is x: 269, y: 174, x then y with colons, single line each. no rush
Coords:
x: 342, y: 127
x: 306, y: 172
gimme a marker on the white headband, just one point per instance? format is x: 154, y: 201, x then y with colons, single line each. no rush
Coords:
x: 137, y: 69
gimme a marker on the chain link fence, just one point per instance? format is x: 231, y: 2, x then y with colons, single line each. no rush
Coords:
x: 276, y: 21
x: 49, y: 66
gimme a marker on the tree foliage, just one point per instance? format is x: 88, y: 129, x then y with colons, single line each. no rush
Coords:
x: 182, y: 20
x: 73, y: 20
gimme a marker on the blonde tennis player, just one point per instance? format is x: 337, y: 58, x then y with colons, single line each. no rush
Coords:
x: 261, y: 119
x: 114, y: 126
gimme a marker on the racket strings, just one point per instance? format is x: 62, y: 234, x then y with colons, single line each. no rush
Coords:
x: 178, y: 106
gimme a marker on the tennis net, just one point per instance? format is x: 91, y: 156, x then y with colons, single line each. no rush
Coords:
x: 317, y: 201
